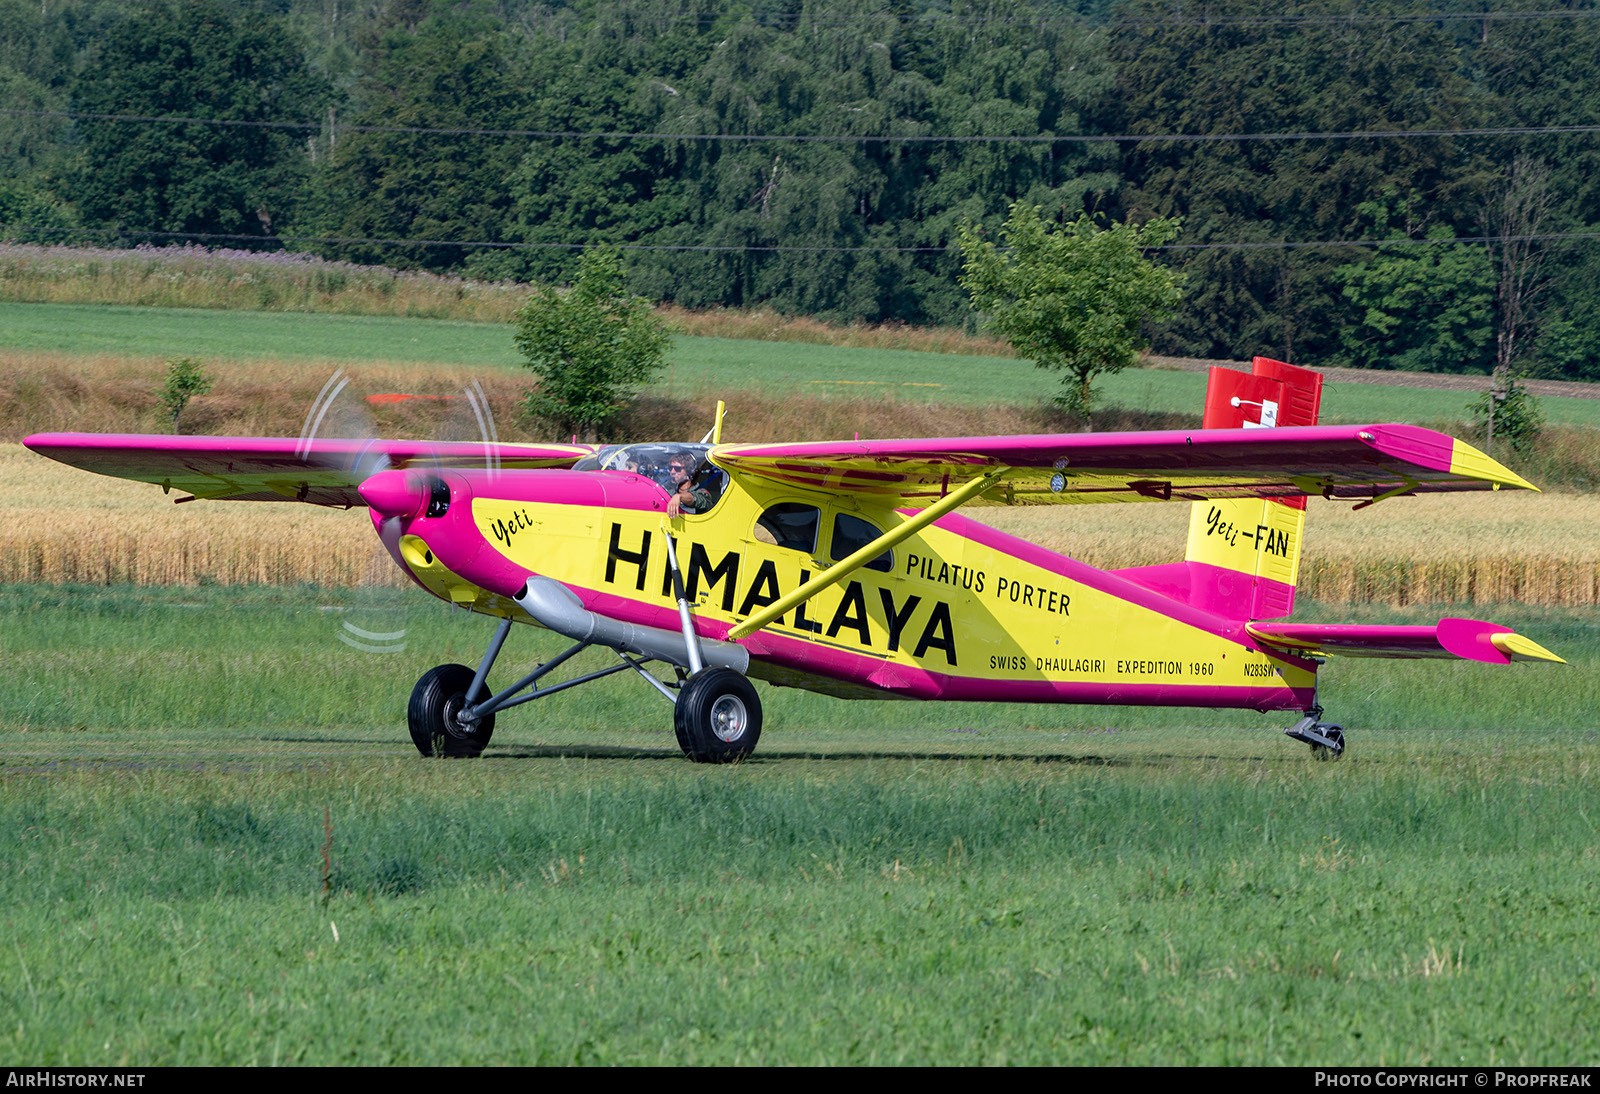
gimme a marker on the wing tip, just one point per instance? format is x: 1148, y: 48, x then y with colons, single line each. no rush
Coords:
x: 1519, y: 647
x: 1472, y: 463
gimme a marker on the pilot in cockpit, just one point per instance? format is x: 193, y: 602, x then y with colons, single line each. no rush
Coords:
x: 688, y: 496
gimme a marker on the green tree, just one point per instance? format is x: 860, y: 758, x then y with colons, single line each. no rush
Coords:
x: 590, y: 346
x: 1418, y: 304
x: 1421, y: 308
x: 832, y: 227
x: 1072, y: 298
x: 1508, y: 410
x: 198, y: 60
x: 381, y: 179
x: 1231, y: 72
x: 185, y: 379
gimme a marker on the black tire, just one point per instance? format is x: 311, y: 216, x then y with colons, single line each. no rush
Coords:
x: 435, y: 702
x: 717, y: 717
x: 1333, y: 733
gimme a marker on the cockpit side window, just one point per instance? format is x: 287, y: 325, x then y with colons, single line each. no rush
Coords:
x: 850, y: 534
x: 713, y: 481
x: 669, y: 466
x: 790, y: 525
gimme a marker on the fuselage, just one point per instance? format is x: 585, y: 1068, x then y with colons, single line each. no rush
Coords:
x: 957, y: 611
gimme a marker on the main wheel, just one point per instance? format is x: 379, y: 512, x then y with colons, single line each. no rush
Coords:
x: 1335, y: 734
x: 717, y: 717
x: 433, y: 714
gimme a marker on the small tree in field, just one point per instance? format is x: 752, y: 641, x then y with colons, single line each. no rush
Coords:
x: 185, y: 380
x: 1071, y: 298
x: 1507, y: 410
x: 591, y: 346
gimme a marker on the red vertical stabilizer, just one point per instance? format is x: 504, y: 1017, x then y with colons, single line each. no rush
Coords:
x: 1302, y: 390
x: 1243, y: 556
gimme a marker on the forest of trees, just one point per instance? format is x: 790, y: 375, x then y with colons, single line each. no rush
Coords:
x: 1383, y: 184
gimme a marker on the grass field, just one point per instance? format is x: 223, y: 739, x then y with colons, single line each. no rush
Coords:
x: 225, y: 852
x: 717, y: 366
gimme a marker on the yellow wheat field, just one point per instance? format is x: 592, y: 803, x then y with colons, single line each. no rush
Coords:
x: 59, y: 525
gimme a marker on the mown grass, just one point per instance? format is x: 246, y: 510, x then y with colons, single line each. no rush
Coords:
x: 265, y: 877
x: 234, y: 341
x: 1141, y: 908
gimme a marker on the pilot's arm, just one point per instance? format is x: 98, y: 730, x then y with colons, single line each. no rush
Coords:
x: 688, y: 499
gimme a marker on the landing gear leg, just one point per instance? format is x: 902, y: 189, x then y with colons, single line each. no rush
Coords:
x: 1325, y: 738
x: 717, y: 714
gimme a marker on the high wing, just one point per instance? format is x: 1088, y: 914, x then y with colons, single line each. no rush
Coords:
x: 319, y: 472
x: 1356, y: 462
x: 1467, y: 638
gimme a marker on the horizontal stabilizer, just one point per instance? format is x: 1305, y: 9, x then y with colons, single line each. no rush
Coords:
x: 1468, y: 638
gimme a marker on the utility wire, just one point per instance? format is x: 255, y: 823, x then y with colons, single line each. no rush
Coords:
x: 479, y: 244
x: 1072, y: 138
x: 1330, y: 19
x: 793, y: 20
x: 484, y: 244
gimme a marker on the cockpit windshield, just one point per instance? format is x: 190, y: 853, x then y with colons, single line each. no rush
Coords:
x: 680, y: 469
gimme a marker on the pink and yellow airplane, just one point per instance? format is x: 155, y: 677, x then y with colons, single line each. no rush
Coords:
x: 844, y: 568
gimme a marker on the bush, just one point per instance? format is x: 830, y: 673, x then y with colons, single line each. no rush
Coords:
x: 1517, y: 414
x: 185, y: 379
x: 591, y: 346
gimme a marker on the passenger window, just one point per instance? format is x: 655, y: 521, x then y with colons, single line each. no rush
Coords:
x: 850, y: 534
x: 714, y: 481
x: 790, y: 525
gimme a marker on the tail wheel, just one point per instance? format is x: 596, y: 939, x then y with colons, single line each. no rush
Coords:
x: 717, y: 717
x: 434, y: 714
x: 1334, y: 734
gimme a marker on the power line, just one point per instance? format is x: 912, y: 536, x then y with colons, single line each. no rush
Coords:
x: 1071, y: 138
x: 1289, y: 245
x: 484, y: 244
x: 478, y: 244
x: 934, y: 20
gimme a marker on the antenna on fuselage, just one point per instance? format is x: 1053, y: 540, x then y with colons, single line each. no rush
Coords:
x: 715, y: 436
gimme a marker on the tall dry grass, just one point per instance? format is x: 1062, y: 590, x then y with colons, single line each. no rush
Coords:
x: 196, y: 277
x: 59, y: 525
x: 106, y: 393
x: 765, y: 325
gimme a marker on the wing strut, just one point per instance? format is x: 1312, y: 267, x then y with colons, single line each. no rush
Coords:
x: 848, y: 565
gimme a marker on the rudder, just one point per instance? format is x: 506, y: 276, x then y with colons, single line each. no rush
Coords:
x: 1243, y: 555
